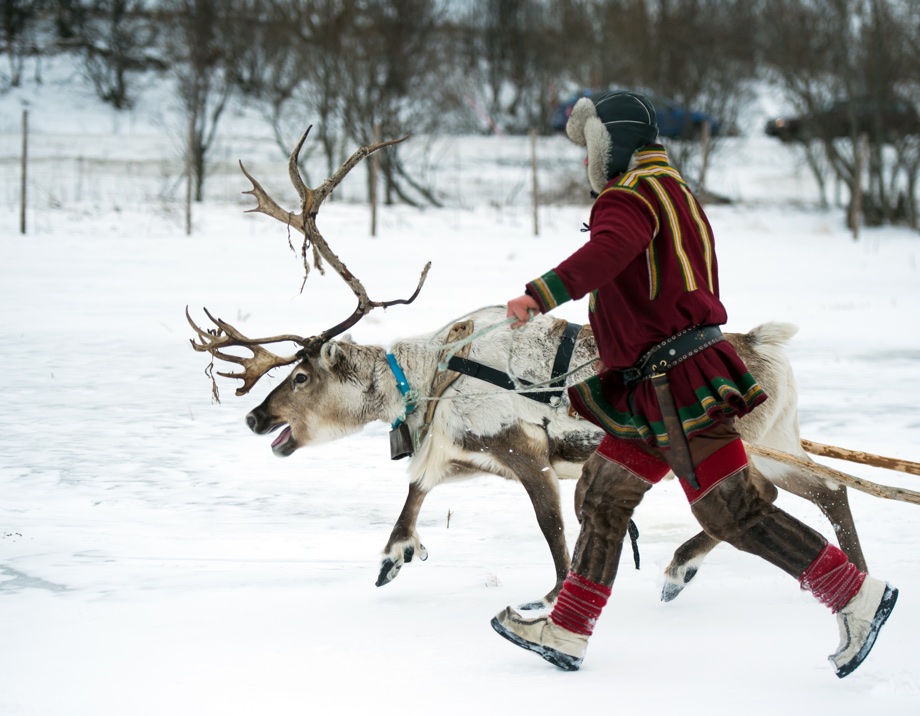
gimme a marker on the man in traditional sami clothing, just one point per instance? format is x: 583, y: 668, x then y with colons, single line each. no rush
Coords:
x: 667, y: 394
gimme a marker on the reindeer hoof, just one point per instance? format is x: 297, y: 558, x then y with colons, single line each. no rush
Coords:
x: 398, y: 555
x: 672, y: 587
x: 388, y: 571
x: 411, y: 552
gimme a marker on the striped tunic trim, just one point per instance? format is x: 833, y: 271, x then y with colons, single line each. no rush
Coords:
x: 695, y: 418
x: 652, y: 167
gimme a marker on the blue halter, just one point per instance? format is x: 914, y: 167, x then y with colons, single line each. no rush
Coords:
x: 403, y: 386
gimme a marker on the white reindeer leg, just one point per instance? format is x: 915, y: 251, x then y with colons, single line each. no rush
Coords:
x: 403, y: 545
x: 522, y: 452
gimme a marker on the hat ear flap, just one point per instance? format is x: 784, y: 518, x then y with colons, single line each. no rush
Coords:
x: 600, y: 147
x: 581, y: 113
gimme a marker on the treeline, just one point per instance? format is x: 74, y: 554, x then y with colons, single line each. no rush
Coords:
x: 430, y: 66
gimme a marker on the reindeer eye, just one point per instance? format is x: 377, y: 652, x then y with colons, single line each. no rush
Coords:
x: 301, y: 378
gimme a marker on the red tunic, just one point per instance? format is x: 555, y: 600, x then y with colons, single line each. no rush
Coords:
x: 651, y: 268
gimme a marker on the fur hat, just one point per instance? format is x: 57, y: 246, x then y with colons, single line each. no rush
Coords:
x: 612, y: 127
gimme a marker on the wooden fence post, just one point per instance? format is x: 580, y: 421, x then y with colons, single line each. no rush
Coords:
x: 375, y: 168
x: 856, y: 207
x: 706, y: 141
x: 189, y: 162
x: 534, y: 186
x: 25, y: 163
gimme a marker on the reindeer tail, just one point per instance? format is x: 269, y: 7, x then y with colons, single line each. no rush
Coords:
x: 772, y: 333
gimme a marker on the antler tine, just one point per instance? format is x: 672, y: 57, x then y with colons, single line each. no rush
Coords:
x: 332, y: 182
x: 365, y: 305
x: 254, y: 367
x: 269, y: 207
x: 320, y: 246
x: 305, y: 192
x: 421, y: 282
x: 232, y: 337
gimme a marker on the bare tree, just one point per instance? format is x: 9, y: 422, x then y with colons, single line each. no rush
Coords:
x: 202, y: 41
x: 18, y: 23
x: 118, y: 41
x: 69, y: 20
x: 295, y: 66
x: 847, y: 66
x: 516, y: 55
x: 398, y: 79
x: 699, y: 53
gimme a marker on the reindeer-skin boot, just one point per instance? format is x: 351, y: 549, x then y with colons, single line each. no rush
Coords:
x: 560, y: 647
x: 860, y: 621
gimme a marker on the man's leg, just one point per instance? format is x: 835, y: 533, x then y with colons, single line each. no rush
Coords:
x: 734, y: 511
x: 605, y: 497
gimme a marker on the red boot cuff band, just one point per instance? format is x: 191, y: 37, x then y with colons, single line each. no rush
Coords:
x: 832, y: 578
x: 579, y: 604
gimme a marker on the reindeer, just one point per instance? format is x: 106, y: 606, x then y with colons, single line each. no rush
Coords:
x: 469, y: 427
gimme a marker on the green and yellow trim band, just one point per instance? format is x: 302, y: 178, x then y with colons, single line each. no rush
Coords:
x: 694, y: 418
x: 548, y: 291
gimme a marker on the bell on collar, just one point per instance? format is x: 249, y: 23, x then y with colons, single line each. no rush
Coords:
x: 401, y: 442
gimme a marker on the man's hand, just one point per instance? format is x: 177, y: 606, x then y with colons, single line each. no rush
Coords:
x: 523, y: 308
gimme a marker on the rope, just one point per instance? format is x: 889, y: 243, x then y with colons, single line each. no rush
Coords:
x: 453, y: 348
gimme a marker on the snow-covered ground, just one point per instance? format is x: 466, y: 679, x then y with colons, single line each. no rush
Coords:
x: 156, y: 558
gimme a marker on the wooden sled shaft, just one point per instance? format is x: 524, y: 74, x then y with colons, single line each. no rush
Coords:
x: 828, y: 473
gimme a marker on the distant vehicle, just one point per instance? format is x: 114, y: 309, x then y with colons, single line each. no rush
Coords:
x: 674, y: 121
x: 898, y: 118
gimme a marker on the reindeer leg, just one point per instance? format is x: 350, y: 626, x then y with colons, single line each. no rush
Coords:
x: 835, y: 505
x: 522, y: 452
x: 685, y: 563
x: 689, y: 556
x: 542, y: 487
x: 404, y: 543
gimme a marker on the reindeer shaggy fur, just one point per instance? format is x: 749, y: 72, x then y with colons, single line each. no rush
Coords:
x: 478, y: 428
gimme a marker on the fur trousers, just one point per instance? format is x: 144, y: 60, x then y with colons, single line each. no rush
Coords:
x: 738, y: 510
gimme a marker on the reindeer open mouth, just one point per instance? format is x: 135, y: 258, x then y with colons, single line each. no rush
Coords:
x: 262, y: 423
x: 283, y: 445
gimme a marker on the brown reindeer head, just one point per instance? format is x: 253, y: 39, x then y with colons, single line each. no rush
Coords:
x: 213, y: 340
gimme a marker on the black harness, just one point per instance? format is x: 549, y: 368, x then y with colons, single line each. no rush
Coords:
x: 494, y: 376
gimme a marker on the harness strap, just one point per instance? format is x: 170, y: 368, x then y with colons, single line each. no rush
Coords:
x: 565, y: 352
x: 497, y: 377
x: 444, y: 378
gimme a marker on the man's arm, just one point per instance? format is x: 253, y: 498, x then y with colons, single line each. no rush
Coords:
x: 622, y: 226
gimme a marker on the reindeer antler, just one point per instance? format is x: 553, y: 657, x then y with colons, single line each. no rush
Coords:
x: 212, y: 340
x: 225, y: 336
x: 310, y: 201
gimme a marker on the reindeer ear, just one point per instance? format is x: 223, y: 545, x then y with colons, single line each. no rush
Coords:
x: 346, y: 338
x: 330, y: 354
